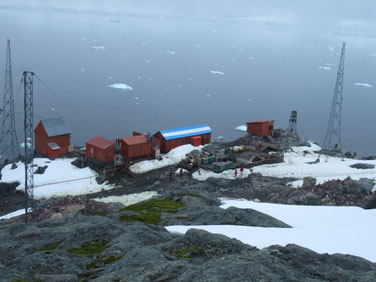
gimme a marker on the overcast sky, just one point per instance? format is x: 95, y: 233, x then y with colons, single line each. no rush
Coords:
x: 321, y: 12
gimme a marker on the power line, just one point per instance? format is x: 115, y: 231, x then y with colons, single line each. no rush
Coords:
x: 69, y: 106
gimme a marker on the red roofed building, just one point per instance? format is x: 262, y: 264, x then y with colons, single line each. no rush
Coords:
x: 100, y: 151
x: 138, y: 147
x: 261, y: 127
x: 52, y: 137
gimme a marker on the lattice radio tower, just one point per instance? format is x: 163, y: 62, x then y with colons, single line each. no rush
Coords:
x: 332, y: 141
x: 9, y: 144
x: 293, y: 121
x: 29, y: 144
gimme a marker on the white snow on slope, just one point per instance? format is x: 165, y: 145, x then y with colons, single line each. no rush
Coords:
x: 346, y: 230
x: 130, y: 199
x: 242, y: 128
x: 365, y: 85
x: 217, y: 72
x: 202, y: 174
x: 120, y: 86
x: 171, y: 158
x: 13, y: 214
x: 57, y: 171
x: 296, y: 164
x: 99, y: 47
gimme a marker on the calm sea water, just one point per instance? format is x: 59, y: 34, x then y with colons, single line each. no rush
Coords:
x: 269, y: 70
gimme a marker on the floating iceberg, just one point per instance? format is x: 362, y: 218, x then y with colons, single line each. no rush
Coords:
x: 365, y: 85
x: 99, y: 47
x: 120, y: 86
x: 217, y: 72
x: 324, y: 68
x: 241, y: 128
x: 170, y: 52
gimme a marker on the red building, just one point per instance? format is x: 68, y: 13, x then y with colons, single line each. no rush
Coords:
x: 261, y: 127
x: 100, y: 151
x: 138, y: 147
x: 52, y: 137
x: 195, y: 135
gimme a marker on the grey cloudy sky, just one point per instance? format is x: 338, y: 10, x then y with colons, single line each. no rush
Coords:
x: 322, y: 12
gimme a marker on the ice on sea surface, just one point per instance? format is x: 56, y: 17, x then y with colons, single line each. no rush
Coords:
x: 324, y: 68
x: 216, y: 72
x: 120, y: 86
x: 241, y: 128
x: 365, y: 85
x: 99, y: 47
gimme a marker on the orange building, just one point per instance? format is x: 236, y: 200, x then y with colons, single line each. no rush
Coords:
x: 261, y: 127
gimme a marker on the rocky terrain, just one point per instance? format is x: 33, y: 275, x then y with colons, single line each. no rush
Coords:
x: 82, y: 240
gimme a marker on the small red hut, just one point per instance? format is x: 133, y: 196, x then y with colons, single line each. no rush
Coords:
x: 195, y: 135
x: 52, y: 137
x: 137, y: 147
x: 100, y: 151
x: 261, y: 127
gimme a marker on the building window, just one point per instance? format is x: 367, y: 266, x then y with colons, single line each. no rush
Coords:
x: 91, y: 150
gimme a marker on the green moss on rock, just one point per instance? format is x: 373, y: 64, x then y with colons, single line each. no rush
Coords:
x: 103, y: 261
x: 188, y: 251
x: 90, y: 248
x: 50, y: 246
x: 150, y: 211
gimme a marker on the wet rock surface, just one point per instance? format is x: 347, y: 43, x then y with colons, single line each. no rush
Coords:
x: 101, y: 248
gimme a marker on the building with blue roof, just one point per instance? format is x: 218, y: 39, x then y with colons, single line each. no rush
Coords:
x: 196, y: 135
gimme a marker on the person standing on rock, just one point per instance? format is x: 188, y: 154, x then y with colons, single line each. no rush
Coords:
x: 241, y: 170
x: 181, y: 172
x: 236, y: 173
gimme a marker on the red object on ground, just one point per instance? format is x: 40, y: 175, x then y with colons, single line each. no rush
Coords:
x: 52, y: 131
x: 100, y: 150
x: 260, y: 127
x: 196, y: 140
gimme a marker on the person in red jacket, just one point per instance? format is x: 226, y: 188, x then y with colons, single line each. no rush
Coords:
x: 171, y: 172
x: 236, y: 172
x: 181, y: 172
x: 241, y: 170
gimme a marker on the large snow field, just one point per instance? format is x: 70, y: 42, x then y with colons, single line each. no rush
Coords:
x: 296, y: 164
x: 71, y: 179
x: 323, y: 229
x: 173, y: 157
x: 202, y: 174
x: 130, y: 199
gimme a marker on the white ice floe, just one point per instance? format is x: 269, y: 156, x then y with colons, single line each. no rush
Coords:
x: 120, y: 86
x: 242, y: 128
x: 171, y: 158
x: 217, y: 72
x: 300, y: 163
x: 324, y: 68
x: 61, y: 178
x: 323, y: 229
x: 13, y: 214
x: 365, y: 85
x: 99, y: 47
x: 127, y: 200
x: 203, y: 175
x: 170, y: 52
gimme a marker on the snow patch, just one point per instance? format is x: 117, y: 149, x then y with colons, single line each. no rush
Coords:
x: 13, y: 214
x: 130, y: 199
x: 300, y: 163
x: 323, y: 229
x: 203, y: 175
x: 173, y: 157
x: 68, y: 179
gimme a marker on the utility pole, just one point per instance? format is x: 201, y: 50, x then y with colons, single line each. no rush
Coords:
x: 9, y: 144
x: 332, y: 141
x: 293, y: 121
x: 29, y: 144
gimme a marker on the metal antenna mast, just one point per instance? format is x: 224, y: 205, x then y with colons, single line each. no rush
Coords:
x: 332, y: 141
x: 293, y: 121
x: 29, y: 144
x: 9, y: 143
